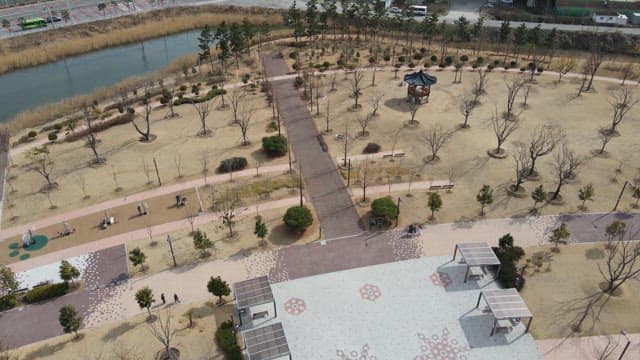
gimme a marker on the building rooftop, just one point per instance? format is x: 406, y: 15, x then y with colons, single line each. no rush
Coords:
x: 267, y: 342
x: 252, y: 292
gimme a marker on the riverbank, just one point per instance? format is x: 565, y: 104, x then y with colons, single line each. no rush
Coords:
x: 53, y: 45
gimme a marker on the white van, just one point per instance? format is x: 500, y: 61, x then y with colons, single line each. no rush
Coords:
x: 419, y: 10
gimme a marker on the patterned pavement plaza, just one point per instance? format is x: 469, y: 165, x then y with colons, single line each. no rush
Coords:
x: 413, y: 309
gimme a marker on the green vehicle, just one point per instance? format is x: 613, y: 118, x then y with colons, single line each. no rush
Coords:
x: 33, y: 23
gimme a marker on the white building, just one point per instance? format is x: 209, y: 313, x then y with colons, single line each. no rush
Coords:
x: 609, y: 18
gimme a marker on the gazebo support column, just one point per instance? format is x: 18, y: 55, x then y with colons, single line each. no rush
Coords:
x: 466, y: 274
x: 493, y: 329
x: 479, y: 297
x: 455, y: 251
x: 528, y: 325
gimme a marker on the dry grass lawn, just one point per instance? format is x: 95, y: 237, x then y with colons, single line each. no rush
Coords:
x: 177, y: 140
x: 556, y: 297
x: 465, y: 155
x: 123, y: 339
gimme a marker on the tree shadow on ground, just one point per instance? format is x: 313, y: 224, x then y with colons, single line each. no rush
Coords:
x: 117, y: 331
x: 46, y: 350
x: 398, y: 104
x: 280, y: 236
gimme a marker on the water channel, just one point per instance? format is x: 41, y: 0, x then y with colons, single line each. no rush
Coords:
x: 29, y: 88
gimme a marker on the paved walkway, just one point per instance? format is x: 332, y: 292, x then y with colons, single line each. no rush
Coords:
x: 327, y: 191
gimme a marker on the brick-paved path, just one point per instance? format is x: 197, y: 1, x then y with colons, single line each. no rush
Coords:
x: 327, y: 192
x: 37, y: 322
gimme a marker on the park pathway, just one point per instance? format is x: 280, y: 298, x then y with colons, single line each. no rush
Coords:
x: 328, y: 193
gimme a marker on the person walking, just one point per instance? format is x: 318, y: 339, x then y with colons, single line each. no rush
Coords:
x: 176, y: 299
x: 164, y: 301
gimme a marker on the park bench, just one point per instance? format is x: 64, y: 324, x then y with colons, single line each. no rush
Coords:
x: 376, y: 222
x: 399, y: 154
x: 504, y: 325
x: 340, y: 137
x: 476, y: 272
x: 440, y: 187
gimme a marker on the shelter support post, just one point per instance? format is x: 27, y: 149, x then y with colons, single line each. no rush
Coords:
x: 479, y: 297
x: 528, y: 324
x: 495, y: 323
x: 466, y: 274
x: 455, y: 250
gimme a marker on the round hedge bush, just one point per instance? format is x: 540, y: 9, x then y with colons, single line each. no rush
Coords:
x: 274, y: 146
x: 298, y: 218
x: 232, y: 164
x: 434, y: 58
x: 371, y: 148
x: 52, y: 137
x: 32, y: 134
x: 384, y: 207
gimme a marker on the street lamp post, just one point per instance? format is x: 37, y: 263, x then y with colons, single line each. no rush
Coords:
x: 620, y: 196
x: 626, y: 346
x: 173, y: 255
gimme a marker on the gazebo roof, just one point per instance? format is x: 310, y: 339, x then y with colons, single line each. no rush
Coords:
x: 420, y: 78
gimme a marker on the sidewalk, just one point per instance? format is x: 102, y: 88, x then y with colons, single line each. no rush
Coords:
x: 159, y: 191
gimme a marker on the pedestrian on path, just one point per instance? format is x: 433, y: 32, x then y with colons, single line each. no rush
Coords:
x: 176, y: 299
x: 164, y: 301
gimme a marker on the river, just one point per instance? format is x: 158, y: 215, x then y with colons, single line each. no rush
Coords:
x: 29, y: 88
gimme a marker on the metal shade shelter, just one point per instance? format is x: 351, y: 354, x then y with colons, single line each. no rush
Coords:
x: 419, y: 86
x: 505, y: 304
x: 476, y: 254
x: 252, y: 292
x: 266, y: 343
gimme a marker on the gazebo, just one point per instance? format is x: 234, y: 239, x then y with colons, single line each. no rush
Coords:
x: 419, y: 86
x: 476, y: 255
x: 505, y: 305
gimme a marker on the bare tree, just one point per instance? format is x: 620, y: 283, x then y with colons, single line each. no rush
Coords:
x: 621, y: 102
x: 436, y: 137
x: 43, y: 165
x: 513, y: 88
x: 605, y: 137
x: 82, y: 183
x: 413, y: 109
x: 327, y: 115
x: 542, y: 142
x: 177, y: 161
x: 237, y: 96
x: 204, y: 109
x: 91, y: 136
x: 566, y: 65
x: 503, y: 128
x: 480, y: 84
x: 466, y: 108
x: 375, y: 99
x: 522, y: 163
x: 596, y: 56
x: 245, y: 114
x: 204, y: 162
x: 622, y: 260
x: 628, y: 72
x: 364, y: 121
x: 167, y: 97
x: 226, y: 205
x: 332, y: 82
x: 355, y: 82
x: 147, y: 107
x: 527, y: 90
x: 363, y: 173
x: 318, y: 92
x: 163, y: 331
x: 565, y: 165
x: 607, y: 351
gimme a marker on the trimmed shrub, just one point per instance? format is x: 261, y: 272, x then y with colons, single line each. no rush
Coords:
x: 52, y: 137
x: 8, y: 301
x: 417, y: 56
x: 464, y: 58
x: 371, y: 148
x: 434, y: 58
x: 509, y: 256
x: 412, y: 65
x: 226, y: 340
x: 183, y: 88
x: 274, y: 146
x: 46, y: 292
x: 448, y: 60
x: 293, y: 55
x: 232, y: 164
x: 513, y: 63
x: 384, y: 207
x: 401, y: 59
x: 540, y: 70
x: 298, y: 82
x: 480, y: 60
x: 490, y: 67
x: 32, y: 134
x: 496, y: 62
x: 387, y: 58
x: 298, y: 218
x: 57, y: 126
x: 442, y: 66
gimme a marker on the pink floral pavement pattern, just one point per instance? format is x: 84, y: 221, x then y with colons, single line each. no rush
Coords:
x: 363, y: 354
x: 370, y: 292
x: 440, y: 279
x: 440, y: 347
x: 295, y: 306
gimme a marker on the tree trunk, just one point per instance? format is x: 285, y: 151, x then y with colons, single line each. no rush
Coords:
x: 533, y: 165
x: 557, y: 192
x: 230, y: 229
x: 482, y: 209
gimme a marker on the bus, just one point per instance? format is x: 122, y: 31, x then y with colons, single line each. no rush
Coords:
x: 33, y: 23
x: 419, y: 10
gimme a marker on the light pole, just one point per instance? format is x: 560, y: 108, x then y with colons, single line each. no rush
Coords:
x: 626, y: 346
x: 398, y: 211
x: 173, y: 256
x: 620, y: 196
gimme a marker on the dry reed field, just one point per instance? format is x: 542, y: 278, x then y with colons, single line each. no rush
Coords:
x: 52, y: 45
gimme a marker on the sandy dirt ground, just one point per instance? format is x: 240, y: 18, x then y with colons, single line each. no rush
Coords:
x: 465, y: 155
x: 115, y: 340
x: 242, y: 244
x: 177, y: 140
x: 556, y: 297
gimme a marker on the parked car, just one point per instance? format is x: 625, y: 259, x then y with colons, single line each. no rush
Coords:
x: 52, y: 19
x: 395, y: 10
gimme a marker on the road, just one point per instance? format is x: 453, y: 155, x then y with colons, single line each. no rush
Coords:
x: 83, y: 11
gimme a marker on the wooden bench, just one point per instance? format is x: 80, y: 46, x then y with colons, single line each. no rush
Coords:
x: 376, y: 221
x: 398, y: 154
x: 505, y: 325
x: 441, y: 187
x: 386, y: 156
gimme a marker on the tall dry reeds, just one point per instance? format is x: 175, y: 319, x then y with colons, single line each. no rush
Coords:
x: 52, y: 48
